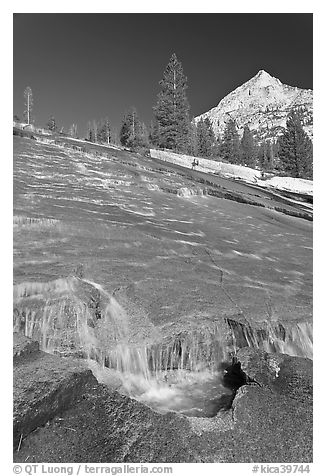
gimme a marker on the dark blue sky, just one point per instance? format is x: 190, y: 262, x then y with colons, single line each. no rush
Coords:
x: 88, y: 66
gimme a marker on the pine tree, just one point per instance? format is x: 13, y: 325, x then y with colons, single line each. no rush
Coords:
x: 248, y: 148
x: 154, y: 133
x: 230, y: 144
x: 95, y: 130
x: 51, y: 125
x: 201, y: 138
x: 73, y: 131
x: 295, y: 149
x: 172, y: 109
x: 271, y: 154
x: 143, y: 135
x: 114, y: 137
x: 211, y: 137
x: 193, y: 146
x: 206, y: 141
x: 128, y: 129
x: 266, y: 153
x: 133, y: 133
x: 28, y: 95
x: 92, y: 131
x: 89, y: 132
x: 103, y: 135
x: 264, y: 158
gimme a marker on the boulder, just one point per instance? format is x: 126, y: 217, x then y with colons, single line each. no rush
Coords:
x: 44, y: 385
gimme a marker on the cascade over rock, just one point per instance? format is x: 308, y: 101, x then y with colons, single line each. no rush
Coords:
x: 62, y: 414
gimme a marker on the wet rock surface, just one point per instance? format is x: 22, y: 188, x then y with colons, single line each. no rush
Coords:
x: 140, y: 268
x: 64, y: 415
x: 174, y: 261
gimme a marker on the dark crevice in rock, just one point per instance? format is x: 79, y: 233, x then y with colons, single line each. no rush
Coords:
x: 234, y: 377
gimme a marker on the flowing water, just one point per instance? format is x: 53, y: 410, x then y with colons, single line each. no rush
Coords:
x: 135, y: 269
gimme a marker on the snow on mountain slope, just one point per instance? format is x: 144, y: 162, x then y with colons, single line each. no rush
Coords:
x: 263, y: 103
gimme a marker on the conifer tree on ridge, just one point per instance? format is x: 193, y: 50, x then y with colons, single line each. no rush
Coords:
x: 51, y: 124
x: 172, y: 129
x: 295, y: 149
x: 248, y: 148
x: 28, y: 95
x: 206, y: 141
x: 230, y: 144
x: 133, y: 132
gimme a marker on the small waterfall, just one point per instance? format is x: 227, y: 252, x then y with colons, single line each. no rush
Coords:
x: 77, y: 316
x: 181, y: 373
x: 154, y: 187
x: 53, y: 314
x: 177, y: 368
x: 186, y: 192
x: 35, y: 222
x: 196, y: 350
x: 71, y: 316
x: 294, y: 339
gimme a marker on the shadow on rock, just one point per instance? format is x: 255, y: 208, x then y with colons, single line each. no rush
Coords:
x: 234, y: 378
